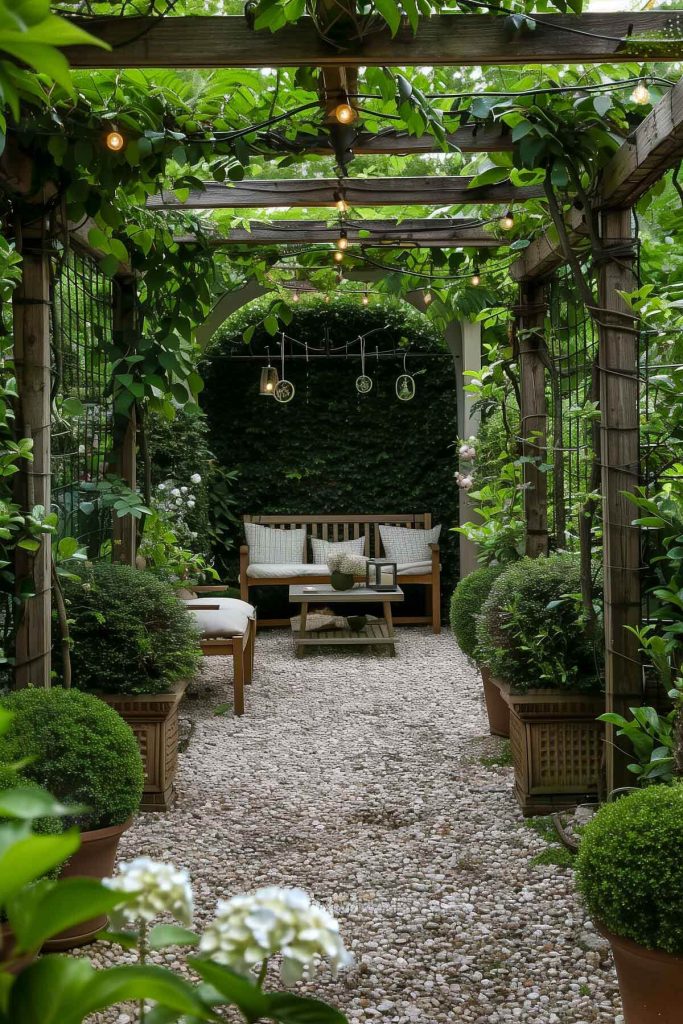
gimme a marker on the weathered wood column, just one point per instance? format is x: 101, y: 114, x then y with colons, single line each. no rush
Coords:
x: 124, y: 531
x: 464, y: 341
x: 31, y: 317
x: 533, y: 413
x: 618, y: 365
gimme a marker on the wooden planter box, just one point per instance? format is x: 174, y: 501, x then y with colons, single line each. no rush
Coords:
x: 497, y: 707
x: 557, y: 745
x: 153, y: 717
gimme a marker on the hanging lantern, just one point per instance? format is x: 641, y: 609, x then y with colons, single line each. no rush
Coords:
x: 269, y: 380
x: 363, y: 382
x: 284, y: 389
x: 405, y: 384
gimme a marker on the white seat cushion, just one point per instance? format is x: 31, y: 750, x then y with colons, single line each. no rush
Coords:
x: 322, y: 549
x: 414, y: 568
x: 230, y: 619
x: 285, y: 571
x: 405, y: 545
x: 270, y: 545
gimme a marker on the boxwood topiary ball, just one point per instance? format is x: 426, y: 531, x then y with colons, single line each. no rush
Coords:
x: 467, y: 602
x: 629, y: 867
x: 79, y: 749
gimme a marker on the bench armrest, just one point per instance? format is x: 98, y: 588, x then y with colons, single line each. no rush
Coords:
x: 204, y: 608
x: 210, y: 588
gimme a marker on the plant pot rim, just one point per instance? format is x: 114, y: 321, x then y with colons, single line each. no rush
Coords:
x: 176, y: 689
x: 634, y: 947
x: 94, y: 834
x: 546, y: 691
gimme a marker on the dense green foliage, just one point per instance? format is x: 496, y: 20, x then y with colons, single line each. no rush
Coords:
x: 78, y: 748
x: 330, y: 449
x: 10, y: 779
x: 129, y: 633
x: 467, y: 603
x: 531, y: 631
x: 629, y: 867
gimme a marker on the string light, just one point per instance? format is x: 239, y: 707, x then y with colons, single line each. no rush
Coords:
x: 344, y: 113
x: 115, y: 141
x: 338, y: 256
x: 366, y: 299
x: 427, y: 297
x: 295, y: 296
x: 327, y: 298
x: 507, y: 221
x: 641, y: 94
x: 343, y: 240
x: 341, y: 203
x: 475, y: 280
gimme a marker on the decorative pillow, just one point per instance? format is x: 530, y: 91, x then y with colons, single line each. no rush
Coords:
x: 267, y: 544
x: 231, y: 618
x: 322, y: 549
x: 404, y: 544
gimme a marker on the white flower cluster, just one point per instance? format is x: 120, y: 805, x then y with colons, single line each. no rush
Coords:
x: 151, y: 888
x: 248, y: 929
x: 465, y: 481
x: 174, y: 502
x: 467, y: 453
x: 342, y: 561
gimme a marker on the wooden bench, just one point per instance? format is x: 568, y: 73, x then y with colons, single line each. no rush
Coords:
x: 337, y: 528
x: 239, y: 647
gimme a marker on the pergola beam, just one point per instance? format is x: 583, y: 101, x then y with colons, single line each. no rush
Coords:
x: 470, y: 139
x: 543, y: 256
x: 422, y: 233
x: 445, y: 40
x: 368, y: 192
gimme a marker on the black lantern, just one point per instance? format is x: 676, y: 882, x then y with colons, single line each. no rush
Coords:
x: 269, y: 380
x: 381, y: 575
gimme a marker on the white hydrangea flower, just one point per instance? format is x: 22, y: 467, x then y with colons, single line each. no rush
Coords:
x: 175, y: 492
x: 251, y: 927
x: 191, y: 503
x: 159, y: 889
x: 467, y: 452
x: 161, y: 487
x: 195, y: 478
x: 184, y: 490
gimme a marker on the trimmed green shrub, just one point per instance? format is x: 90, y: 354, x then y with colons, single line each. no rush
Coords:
x: 79, y: 749
x: 531, y: 631
x: 466, y: 604
x: 629, y: 867
x: 129, y: 632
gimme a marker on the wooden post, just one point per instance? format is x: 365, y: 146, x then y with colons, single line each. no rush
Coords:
x: 533, y: 413
x: 618, y: 363
x: 464, y: 341
x: 31, y: 311
x: 124, y: 531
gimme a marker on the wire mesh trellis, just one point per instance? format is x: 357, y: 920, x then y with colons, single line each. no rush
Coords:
x: 82, y: 328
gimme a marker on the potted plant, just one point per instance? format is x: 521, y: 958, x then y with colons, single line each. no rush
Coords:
x: 78, y: 748
x: 533, y: 635
x: 134, y: 644
x: 344, y: 568
x: 629, y: 872
x: 466, y: 604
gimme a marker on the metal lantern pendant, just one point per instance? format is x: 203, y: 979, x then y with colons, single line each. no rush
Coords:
x: 381, y: 575
x: 405, y: 384
x: 284, y: 389
x: 269, y: 379
x: 363, y: 383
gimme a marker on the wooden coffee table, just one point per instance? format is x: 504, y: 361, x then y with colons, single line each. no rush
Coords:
x: 380, y: 631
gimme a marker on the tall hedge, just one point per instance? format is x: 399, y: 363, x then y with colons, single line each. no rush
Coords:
x: 329, y: 449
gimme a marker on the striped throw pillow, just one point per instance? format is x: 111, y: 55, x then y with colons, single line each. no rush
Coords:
x: 271, y: 546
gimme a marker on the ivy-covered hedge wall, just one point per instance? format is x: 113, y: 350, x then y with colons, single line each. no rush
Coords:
x: 330, y: 449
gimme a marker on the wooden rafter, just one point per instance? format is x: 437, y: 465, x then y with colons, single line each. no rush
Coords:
x: 424, y: 233
x: 258, y: 193
x: 447, y: 39
x: 543, y: 256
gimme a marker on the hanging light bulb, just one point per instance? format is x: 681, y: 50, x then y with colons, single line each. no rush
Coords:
x: 507, y: 221
x: 295, y: 296
x: 327, y: 298
x: 343, y: 240
x: 338, y: 256
x: 340, y: 202
x: 114, y: 140
x: 475, y: 280
x: 344, y: 112
x: 427, y: 297
x: 641, y: 94
x: 366, y: 299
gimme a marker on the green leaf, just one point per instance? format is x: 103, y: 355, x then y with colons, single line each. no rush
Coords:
x: 164, y: 935
x: 27, y: 804
x: 50, y: 907
x: 26, y: 857
x: 238, y: 991
x: 292, y: 1009
x: 391, y: 12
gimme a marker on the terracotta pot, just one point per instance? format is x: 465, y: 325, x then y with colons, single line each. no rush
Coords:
x: 342, y: 580
x: 153, y: 717
x: 95, y: 858
x: 496, y: 706
x: 6, y: 947
x: 556, y: 744
x: 650, y: 982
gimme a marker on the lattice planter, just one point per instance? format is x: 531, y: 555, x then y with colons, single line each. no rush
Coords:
x: 153, y: 717
x: 557, y: 746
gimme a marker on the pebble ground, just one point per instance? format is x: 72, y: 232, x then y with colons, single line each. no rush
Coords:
x: 372, y: 782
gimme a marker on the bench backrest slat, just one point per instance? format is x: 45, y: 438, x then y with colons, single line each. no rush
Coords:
x: 345, y: 527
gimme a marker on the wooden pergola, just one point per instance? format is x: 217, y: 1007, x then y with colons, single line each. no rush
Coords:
x: 459, y: 40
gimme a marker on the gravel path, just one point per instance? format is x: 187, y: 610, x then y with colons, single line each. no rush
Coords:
x: 372, y: 782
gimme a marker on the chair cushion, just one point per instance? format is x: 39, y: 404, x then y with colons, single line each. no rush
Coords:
x: 405, y: 545
x: 322, y: 549
x: 414, y: 568
x: 230, y: 619
x: 285, y: 570
x: 271, y: 546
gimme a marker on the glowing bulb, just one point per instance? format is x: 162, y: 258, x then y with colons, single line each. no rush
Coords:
x: 641, y: 94
x: 344, y: 113
x: 475, y: 279
x: 269, y: 386
x: 338, y: 256
x: 365, y: 300
x: 327, y: 298
x: 343, y: 240
x: 427, y: 298
x: 115, y: 141
x: 295, y: 296
x: 340, y: 202
x: 507, y: 221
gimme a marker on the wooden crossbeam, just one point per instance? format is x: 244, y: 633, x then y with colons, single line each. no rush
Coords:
x: 447, y: 39
x: 543, y: 256
x: 297, y: 192
x: 420, y: 233
x: 654, y: 148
